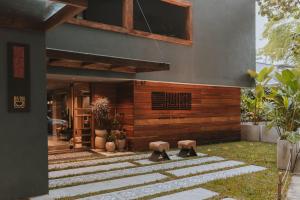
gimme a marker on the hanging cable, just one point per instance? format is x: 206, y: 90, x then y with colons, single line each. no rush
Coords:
x: 150, y: 30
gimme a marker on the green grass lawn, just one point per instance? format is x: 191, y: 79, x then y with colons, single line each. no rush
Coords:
x: 261, y: 185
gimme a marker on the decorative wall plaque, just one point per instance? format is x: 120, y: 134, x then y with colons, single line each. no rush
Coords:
x: 171, y: 101
x: 18, y: 77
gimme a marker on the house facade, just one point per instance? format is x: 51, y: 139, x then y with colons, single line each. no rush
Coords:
x: 172, y: 69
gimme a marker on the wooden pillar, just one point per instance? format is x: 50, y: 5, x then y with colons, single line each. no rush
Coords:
x: 128, y: 14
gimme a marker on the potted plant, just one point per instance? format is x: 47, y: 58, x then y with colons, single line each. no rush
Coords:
x: 253, y: 106
x: 284, y: 106
x: 121, y: 140
x: 110, y: 142
x: 101, y: 110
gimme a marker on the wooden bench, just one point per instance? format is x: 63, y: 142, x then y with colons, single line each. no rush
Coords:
x: 159, y: 149
x: 187, y: 148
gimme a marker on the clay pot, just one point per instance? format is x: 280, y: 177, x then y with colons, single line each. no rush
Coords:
x: 121, y: 144
x: 78, y: 143
x: 100, y: 139
x: 110, y: 146
x: 100, y: 133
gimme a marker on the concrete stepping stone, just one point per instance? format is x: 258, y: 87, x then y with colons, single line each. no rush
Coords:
x: 196, y: 194
x: 204, y: 168
x: 70, y: 155
x: 168, y: 186
x: 68, y: 172
x: 132, y: 171
x: 99, y: 161
x: 105, y: 185
x: 228, y: 199
x: 294, y: 191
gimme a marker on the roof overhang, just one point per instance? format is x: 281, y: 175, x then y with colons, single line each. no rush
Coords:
x: 79, y: 60
x: 39, y: 14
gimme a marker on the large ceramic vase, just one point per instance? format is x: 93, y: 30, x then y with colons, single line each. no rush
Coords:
x: 110, y: 147
x: 121, y: 144
x: 100, y: 139
x: 284, y: 150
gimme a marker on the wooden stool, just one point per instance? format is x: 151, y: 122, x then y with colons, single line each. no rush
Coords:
x: 159, y: 149
x: 187, y: 148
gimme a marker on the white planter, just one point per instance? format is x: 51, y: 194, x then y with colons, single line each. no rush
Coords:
x: 269, y: 135
x: 251, y: 132
x: 110, y: 147
x: 260, y: 132
x: 100, y: 139
x: 285, y: 151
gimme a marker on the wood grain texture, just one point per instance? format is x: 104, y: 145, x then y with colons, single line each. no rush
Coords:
x: 214, y: 117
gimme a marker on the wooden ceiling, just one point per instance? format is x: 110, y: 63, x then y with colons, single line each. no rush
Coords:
x: 30, y: 14
x: 69, y: 59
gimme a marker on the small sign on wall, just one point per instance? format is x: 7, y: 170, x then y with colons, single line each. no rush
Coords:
x: 18, y: 77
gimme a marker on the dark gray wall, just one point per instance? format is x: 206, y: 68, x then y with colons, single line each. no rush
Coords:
x: 23, y: 136
x: 222, y: 51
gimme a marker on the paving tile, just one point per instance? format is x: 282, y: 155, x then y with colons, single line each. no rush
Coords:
x: 69, y: 155
x: 196, y: 194
x: 105, y: 185
x: 131, y: 171
x: 68, y: 172
x: 143, y: 191
x: 204, y: 168
x: 294, y: 189
x: 86, y: 163
x: 228, y: 199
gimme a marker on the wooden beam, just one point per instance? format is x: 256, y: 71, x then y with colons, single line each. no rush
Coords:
x: 189, y: 24
x: 85, y: 57
x: 128, y: 14
x: 74, y: 3
x: 181, y: 3
x: 60, y: 58
x: 66, y: 13
x: 106, y: 27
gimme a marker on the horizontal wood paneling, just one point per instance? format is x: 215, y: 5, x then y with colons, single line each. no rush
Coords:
x: 125, y: 105
x: 214, y: 117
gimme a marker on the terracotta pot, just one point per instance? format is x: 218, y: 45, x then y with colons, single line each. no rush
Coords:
x: 121, y: 144
x: 78, y: 143
x: 100, y: 133
x: 100, y: 139
x: 110, y: 146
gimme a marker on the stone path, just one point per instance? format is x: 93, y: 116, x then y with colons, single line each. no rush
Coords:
x: 68, y: 172
x: 204, y: 168
x: 70, y: 155
x: 85, y: 163
x: 143, y: 191
x: 294, y: 188
x: 131, y: 171
x: 196, y: 194
x: 133, y: 176
x: 105, y: 185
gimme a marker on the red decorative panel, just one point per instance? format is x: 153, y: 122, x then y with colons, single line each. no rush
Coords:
x: 18, y: 62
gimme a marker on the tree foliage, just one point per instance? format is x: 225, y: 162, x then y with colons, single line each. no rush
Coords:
x: 283, y: 41
x: 279, y: 9
x: 282, y: 31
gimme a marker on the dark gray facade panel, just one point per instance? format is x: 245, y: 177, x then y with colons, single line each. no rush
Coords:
x: 222, y: 51
x: 23, y: 143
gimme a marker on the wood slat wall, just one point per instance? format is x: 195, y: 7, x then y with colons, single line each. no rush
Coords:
x: 214, y: 117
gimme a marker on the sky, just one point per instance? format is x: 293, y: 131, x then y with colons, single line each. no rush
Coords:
x: 260, y: 23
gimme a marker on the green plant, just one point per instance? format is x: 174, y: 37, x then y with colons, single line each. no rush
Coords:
x: 110, y: 137
x: 248, y: 105
x: 121, y: 135
x: 101, y: 110
x: 256, y: 104
x: 284, y: 103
